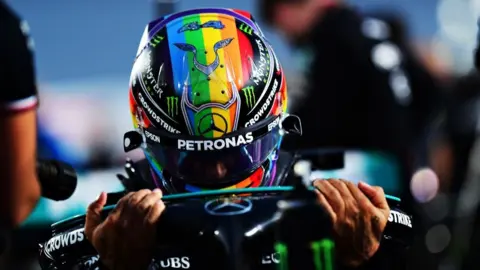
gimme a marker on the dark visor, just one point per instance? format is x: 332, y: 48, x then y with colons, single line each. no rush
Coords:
x: 202, y: 161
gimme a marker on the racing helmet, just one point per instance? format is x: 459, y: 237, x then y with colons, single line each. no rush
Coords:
x: 208, y: 97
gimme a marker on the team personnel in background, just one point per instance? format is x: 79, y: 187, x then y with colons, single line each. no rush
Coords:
x: 365, y: 89
x: 462, y: 130
x: 19, y: 188
x: 461, y: 139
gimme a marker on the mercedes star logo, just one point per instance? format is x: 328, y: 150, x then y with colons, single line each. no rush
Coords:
x: 228, y: 207
x: 212, y: 122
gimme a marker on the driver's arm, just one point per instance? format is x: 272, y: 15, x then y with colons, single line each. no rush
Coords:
x: 19, y: 188
x: 359, y: 214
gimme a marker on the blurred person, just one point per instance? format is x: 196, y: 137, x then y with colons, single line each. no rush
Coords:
x: 365, y: 88
x: 458, y: 130
x: 457, y: 157
x: 208, y: 118
x: 457, y: 133
x: 19, y: 188
x: 460, y: 161
x: 435, y: 57
x: 462, y: 127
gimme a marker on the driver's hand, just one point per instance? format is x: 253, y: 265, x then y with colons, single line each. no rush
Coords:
x: 359, y: 215
x: 126, y: 238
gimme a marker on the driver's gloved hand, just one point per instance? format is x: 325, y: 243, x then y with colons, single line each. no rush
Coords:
x: 126, y: 238
x: 359, y: 214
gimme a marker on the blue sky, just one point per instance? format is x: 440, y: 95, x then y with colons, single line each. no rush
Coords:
x: 84, y: 39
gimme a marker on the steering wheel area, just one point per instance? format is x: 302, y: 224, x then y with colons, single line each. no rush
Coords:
x: 220, y: 229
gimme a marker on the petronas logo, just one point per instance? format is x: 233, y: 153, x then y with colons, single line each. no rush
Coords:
x: 249, y: 92
x: 172, y: 106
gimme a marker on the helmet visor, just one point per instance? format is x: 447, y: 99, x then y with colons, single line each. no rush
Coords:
x: 209, y: 162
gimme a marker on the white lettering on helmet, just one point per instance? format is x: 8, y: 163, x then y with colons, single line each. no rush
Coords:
x: 155, y: 117
x: 218, y: 144
x: 400, y: 218
x: 274, y: 124
x: 152, y: 82
x: 259, y: 70
x: 152, y: 137
x: 64, y: 240
x: 265, y: 107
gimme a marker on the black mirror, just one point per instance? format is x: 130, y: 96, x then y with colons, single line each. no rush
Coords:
x: 292, y: 124
x: 132, y: 140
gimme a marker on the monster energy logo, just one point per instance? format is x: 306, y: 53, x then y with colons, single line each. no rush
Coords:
x: 249, y: 96
x: 323, y: 248
x: 246, y: 29
x: 322, y: 252
x: 172, y: 105
x: 156, y: 40
x: 282, y: 250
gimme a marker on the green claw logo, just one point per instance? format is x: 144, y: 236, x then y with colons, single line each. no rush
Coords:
x: 322, y: 251
x: 172, y: 106
x: 246, y: 29
x: 282, y: 251
x: 249, y: 96
x: 323, y: 254
x: 156, y: 40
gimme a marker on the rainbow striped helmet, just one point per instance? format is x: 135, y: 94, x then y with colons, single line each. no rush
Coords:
x: 208, y: 94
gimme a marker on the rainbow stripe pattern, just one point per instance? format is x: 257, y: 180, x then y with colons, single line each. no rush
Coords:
x: 219, y: 86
